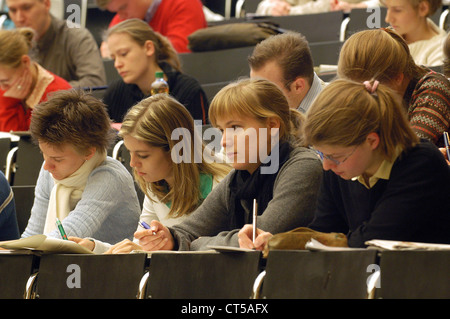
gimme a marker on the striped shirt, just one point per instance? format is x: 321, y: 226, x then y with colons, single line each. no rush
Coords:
x: 429, y: 106
x: 313, y: 92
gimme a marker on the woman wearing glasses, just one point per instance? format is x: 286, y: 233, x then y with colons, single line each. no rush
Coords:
x: 380, y: 181
x: 23, y: 82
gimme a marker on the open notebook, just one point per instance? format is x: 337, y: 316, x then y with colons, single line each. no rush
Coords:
x: 46, y: 245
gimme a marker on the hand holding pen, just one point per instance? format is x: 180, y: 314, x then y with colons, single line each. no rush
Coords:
x: 259, y: 238
x: 245, y: 236
x: 156, y: 237
x: 446, y: 151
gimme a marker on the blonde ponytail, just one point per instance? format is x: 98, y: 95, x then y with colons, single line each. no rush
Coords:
x: 14, y: 44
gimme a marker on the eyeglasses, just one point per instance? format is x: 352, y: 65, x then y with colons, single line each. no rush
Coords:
x: 335, y: 161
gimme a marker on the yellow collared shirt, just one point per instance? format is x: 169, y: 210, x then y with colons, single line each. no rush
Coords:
x: 383, y: 172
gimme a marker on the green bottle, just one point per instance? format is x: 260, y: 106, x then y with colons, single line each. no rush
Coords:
x: 159, y: 85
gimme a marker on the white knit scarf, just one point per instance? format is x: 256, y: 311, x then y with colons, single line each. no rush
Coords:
x: 66, y: 193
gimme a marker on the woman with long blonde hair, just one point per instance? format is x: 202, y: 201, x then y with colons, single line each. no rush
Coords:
x: 272, y: 167
x: 171, y: 164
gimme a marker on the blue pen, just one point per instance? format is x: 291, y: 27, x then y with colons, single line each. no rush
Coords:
x: 145, y: 225
x: 447, y: 145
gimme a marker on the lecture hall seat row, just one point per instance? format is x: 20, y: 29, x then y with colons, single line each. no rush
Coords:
x: 285, y: 274
x: 215, y: 69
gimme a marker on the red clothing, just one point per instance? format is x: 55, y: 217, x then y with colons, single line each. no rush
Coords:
x: 176, y: 20
x: 13, y: 115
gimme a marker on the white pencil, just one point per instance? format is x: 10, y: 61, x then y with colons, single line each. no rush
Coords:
x: 255, y: 214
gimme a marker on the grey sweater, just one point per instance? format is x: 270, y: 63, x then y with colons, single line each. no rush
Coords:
x: 108, y: 209
x: 293, y: 204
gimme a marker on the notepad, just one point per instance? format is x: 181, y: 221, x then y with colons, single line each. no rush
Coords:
x: 405, y: 245
x: 46, y: 245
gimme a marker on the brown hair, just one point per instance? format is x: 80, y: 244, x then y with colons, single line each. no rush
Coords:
x: 141, y: 32
x: 379, y: 54
x: 14, y: 44
x: 153, y: 121
x: 291, y: 51
x: 345, y: 112
x: 433, y: 5
x: 260, y: 99
x: 74, y: 117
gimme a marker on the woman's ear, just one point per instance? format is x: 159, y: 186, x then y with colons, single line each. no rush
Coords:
x: 149, y: 47
x: 373, y: 139
x: 273, y: 122
x: 26, y: 60
x: 423, y: 9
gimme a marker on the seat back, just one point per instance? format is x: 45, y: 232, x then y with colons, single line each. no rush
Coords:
x: 318, y: 275
x: 414, y: 275
x: 72, y: 276
x: 15, y: 269
x: 24, y: 199
x: 28, y: 162
x: 216, y: 66
x: 211, y: 89
x: 5, y: 146
x: 246, y: 7
x: 364, y: 19
x: 205, y: 275
x: 326, y: 52
x: 307, y: 25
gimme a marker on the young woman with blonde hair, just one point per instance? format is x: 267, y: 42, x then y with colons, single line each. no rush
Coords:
x: 23, y: 83
x: 411, y: 19
x: 383, y: 55
x: 138, y: 53
x: 380, y: 180
x: 260, y: 137
x: 170, y: 162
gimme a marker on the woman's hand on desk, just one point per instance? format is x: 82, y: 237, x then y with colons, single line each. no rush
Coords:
x: 158, y: 237
x: 126, y: 246
x: 87, y: 243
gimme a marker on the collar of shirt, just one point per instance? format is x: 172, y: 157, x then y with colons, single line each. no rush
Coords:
x: 383, y: 172
x: 316, y: 86
x: 152, y: 10
x: 44, y: 78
